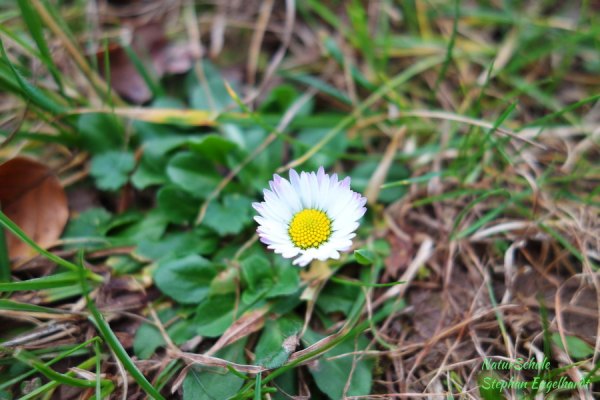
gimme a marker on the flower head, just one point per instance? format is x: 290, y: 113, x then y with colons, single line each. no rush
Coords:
x: 313, y: 215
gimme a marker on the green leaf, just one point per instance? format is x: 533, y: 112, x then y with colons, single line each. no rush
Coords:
x: 257, y: 271
x: 150, y: 226
x: 178, y: 205
x: 186, y: 279
x: 157, y: 147
x: 212, y: 383
x: 577, y: 347
x: 196, y: 241
x: 338, y: 297
x: 259, y: 276
x: 111, y: 169
x: 124, y: 264
x: 257, y: 173
x: 287, y: 282
x: 231, y: 216
x: 90, y: 223
x: 364, y: 257
x: 288, y: 382
x: 147, y: 131
x: 382, y: 247
x: 484, y: 380
x: 225, y: 282
x: 153, y: 164
x: 331, y: 376
x: 281, y: 98
x: 193, y: 174
x: 215, y: 314
x: 150, y: 172
x: 148, y: 337
x: 210, y: 96
x: 100, y: 132
x: 212, y: 147
x: 269, y: 351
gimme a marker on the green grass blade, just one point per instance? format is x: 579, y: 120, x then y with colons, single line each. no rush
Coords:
x: 567, y: 245
x: 111, y: 339
x: 22, y: 377
x: 256, y: 117
x: 542, y: 121
x: 165, y: 376
x: 155, y: 88
x: 492, y: 214
x: 19, y: 40
x: 36, y: 96
x: 352, y: 283
x: 107, y: 73
x: 16, y: 306
x: 319, y: 84
x: 448, y: 59
x: 61, y: 138
x: 355, y: 72
x: 4, y: 258
x: 14, y: 228
x: 34, y: 25
x: 54, y: 281
x: 238, y: 374
x: 64, y: 379
x: 422, y: 178
x: 51, y: 385
x: 497, y: 123
x: 387, y: 87
x: 98, y: 371
x: 258, y: 386
x: 472, y: 204
x: 105, y: 393
x: 327, y: 15
x: 445, y: 196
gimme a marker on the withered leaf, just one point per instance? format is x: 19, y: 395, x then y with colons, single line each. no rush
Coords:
x: 32, y: 197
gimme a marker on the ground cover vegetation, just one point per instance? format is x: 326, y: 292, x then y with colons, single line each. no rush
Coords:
x: 135, y: 136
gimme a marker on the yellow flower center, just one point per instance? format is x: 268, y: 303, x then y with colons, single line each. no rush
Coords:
x: 310, y: 228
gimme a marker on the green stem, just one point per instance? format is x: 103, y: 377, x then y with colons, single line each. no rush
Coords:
x: 111, y: 339
x: 51, y: 385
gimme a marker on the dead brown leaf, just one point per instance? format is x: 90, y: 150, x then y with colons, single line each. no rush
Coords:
x: 32, y: 197
x: 245, y: 325
x: 148, y: 41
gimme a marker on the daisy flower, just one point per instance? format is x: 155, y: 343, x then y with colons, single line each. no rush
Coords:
x: 312, y: 215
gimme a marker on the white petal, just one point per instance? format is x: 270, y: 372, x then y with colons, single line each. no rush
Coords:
x: 269, y: 214
x: 342, y: 235
x: 295, y: 181
x: 341, y: 244
x: 323, y: 182
x: 277, y: 206
x: 305, y: 187
x: 342, y: 202
x: 314, y: 188
x: 287, y: 195
x: 303, y: 260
